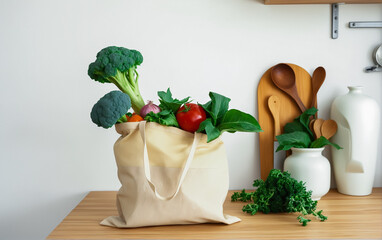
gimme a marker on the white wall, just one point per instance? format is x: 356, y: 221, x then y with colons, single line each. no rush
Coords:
x: 51, y: 154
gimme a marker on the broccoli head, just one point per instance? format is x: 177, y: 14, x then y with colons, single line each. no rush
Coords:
x: 118, y: 65
x: 110, y: 109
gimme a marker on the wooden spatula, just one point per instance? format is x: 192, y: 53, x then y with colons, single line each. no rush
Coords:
x: 317, y: 127
x: 329, y: 128
x: 318, y: 79
x: 274, y: 107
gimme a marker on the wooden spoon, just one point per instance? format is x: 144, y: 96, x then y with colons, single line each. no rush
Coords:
x: 283, y: 77
x: 329, y: 128
x: 318, y: 79
x: 311, y: 125
x: 274, y: 106
x: 317, y: 127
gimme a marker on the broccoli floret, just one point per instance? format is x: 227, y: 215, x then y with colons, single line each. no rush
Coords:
x: 118, y: 65
x: 110, y: 109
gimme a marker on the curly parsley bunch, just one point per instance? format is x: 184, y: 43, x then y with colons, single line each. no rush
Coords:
x: 280, y: 193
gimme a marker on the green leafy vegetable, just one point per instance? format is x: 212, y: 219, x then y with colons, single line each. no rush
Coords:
x: 301, y: 123
x: 321, y: 142
x: 294, y: 139
x: 235, y: 120
x: 304, y: 119
x: 169, y: 103
x: 280, y: 193
x: 169, y: 106
x: 211, y: 131
x: 220, y: 119
x: 165, y: 117
x: 217, y: 107
x: 294, y: 126
x: 298, y: 135
x: 242, y: 196
x: 303, y: 220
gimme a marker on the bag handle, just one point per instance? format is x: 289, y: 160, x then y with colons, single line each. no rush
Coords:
x: 146, y: 163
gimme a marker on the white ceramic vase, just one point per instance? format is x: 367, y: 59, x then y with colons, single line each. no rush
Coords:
x: 358, y: 120
x: 310, y: 166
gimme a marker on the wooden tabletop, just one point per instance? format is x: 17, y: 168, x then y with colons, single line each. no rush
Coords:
x: 348, y: 217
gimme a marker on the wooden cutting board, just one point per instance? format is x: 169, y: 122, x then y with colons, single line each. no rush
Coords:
x: 288, y: 111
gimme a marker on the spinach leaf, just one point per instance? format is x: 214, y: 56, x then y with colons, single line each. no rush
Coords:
x: 217, y: 107
x: 296, y: 139
x: 323, y: 141
x: 165, y: 117
x: 294, y: 126
x: 289, y: 146
x: 304, y: 119
x: 221, y: 119
x: 309, y: 112
x: 168, y: 103
x: 297, y: 134
x: 207, y: 107
x: 211, y: 131
x: 235, y: 120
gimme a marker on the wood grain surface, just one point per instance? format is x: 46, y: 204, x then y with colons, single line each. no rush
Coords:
x: 288, y: 111
x: 349, y: 217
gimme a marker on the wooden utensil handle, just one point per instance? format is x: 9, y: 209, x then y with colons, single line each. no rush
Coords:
x: 300, y: 104
x: 277, y: 126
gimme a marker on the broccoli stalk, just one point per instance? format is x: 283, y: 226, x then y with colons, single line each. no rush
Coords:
x: 118, y: 65
x: 128, y: 83
x: 122, y: 119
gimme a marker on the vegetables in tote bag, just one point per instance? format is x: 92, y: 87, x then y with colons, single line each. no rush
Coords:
x: 164, y: 161
x: 162, y: 171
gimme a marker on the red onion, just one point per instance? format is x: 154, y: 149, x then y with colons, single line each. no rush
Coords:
x: 150, y: 107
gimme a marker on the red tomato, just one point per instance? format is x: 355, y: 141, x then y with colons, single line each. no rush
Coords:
x: 190, y: 116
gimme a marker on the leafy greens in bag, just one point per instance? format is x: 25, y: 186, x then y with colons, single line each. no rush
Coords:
x: 169, y: 106
x: 220, y: 119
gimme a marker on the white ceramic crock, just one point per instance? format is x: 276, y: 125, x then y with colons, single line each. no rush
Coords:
x: 310, y: 166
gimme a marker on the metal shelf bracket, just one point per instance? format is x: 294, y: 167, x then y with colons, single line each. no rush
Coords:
x: 376, y: 24
x: 335, y: 13
x: 335, y: 19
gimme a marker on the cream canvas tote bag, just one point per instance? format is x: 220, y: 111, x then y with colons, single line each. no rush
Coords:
x: 168, y: 176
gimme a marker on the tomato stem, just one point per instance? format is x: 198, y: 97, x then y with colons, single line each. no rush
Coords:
x: 186, y: 108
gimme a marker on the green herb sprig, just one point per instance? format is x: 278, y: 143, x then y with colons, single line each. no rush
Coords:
x: 280, y: 193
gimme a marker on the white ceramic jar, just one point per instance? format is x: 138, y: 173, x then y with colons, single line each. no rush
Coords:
x: 310, y: 166
x: 358, y: 120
